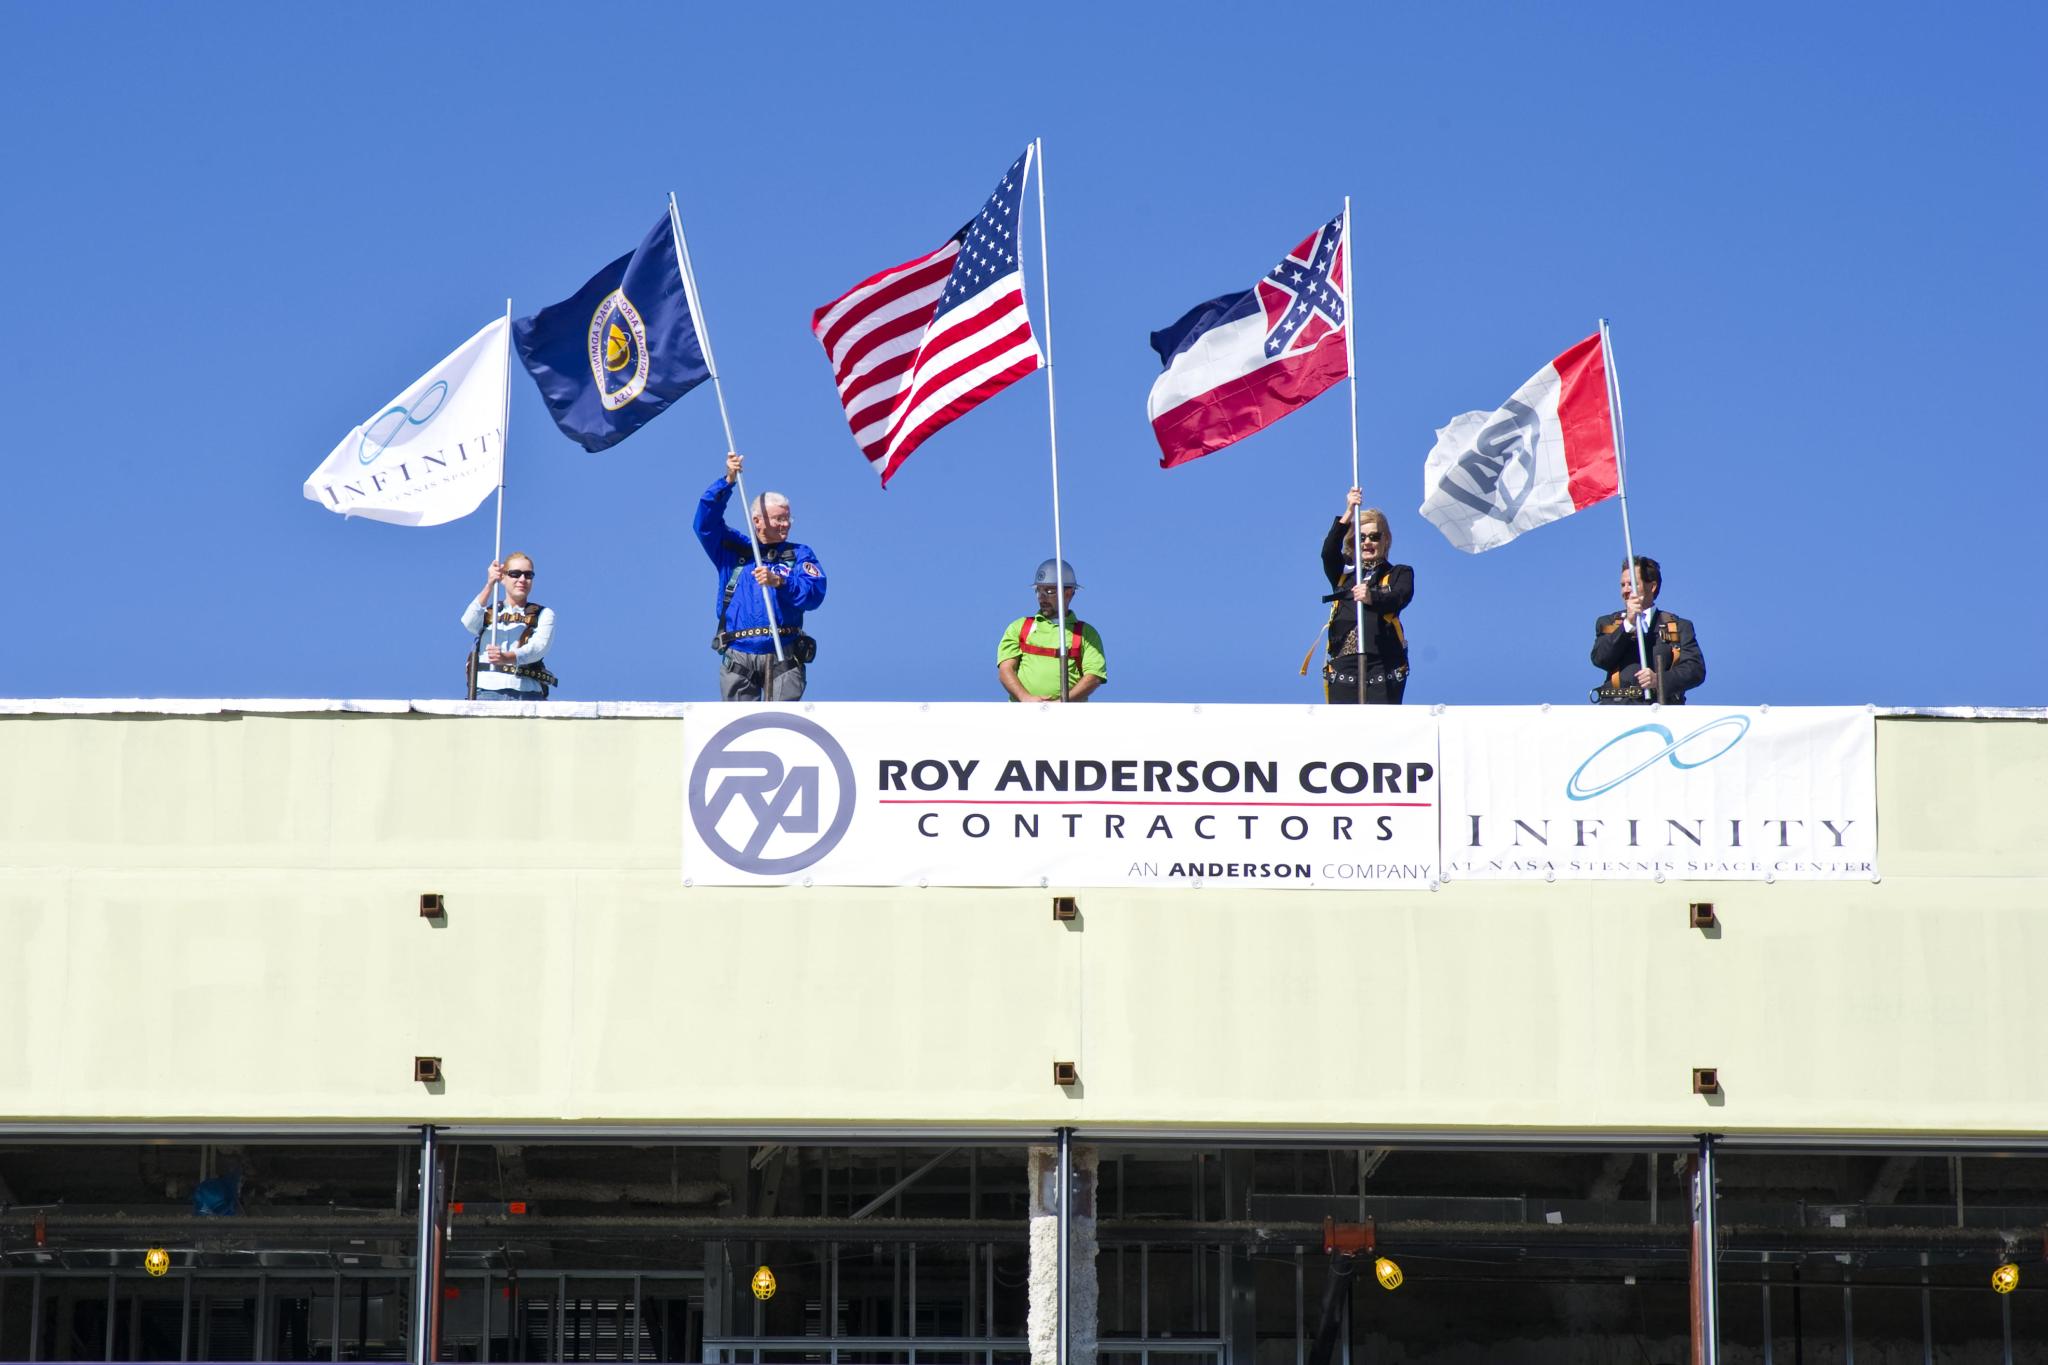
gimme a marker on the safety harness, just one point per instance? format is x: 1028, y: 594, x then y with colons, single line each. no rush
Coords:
x: 1074, y: 624
x: 1350, y: 644
x: 805, y: 648
x: 1616, y: 689
x: 526, y: 619
x: 1052, y: 651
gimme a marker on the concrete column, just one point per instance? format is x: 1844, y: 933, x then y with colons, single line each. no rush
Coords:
x: 1083, y: 1292
x: 1240, y: 1326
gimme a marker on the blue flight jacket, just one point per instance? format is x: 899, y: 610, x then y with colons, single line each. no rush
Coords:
x: 803, y: 585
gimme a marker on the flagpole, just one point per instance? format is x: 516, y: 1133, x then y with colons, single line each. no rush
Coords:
x: 1617, y: 426
x: 688, y: 273
x: 498, y: 536
x: 1059, y: 558
x: 1357, y: 513
x: 504, y: 430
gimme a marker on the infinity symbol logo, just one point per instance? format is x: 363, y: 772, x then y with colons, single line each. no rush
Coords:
x: 382, y: 430
x: 1577, y: 791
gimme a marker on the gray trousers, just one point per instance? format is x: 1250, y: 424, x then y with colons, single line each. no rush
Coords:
x: 757, y: 677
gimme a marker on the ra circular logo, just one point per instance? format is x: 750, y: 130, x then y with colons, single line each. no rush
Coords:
x: 771, y: 794
x: 618, y: 351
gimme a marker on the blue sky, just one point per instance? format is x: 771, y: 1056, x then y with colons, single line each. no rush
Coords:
x: 235, y: 230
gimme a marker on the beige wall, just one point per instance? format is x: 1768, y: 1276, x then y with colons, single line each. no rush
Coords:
x: 216, y: 918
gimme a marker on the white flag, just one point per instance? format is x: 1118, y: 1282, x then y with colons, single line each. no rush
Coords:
x: 1546, y: 453
x: 431, y: 454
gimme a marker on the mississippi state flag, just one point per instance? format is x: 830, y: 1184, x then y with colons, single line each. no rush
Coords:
x: 1544, y: 454
x: 921, y: 343
x: 1237, y: 363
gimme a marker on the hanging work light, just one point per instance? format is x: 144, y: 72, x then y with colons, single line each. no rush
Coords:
x: 2006, y: 1278
x: 1387, y: 1273
x: 764, y: 1284
x: 157, y: 1262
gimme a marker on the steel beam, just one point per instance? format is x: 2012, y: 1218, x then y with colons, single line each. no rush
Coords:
x: 426, y: 1263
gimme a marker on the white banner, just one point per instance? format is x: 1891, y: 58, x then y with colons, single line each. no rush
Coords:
x: 974, y: 794
x: 1681, y: 793
x: 431, y: 454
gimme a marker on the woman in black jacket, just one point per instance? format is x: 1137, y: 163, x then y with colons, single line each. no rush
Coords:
x: 1380, y: 658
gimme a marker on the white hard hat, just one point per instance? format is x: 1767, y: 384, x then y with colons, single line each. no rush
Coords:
x: 1044, y: 577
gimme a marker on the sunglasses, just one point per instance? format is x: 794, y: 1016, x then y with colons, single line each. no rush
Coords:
x: 1371, y: 535
x: 518, y: 573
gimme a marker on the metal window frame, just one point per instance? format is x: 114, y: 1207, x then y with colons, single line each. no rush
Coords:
x: 429, y: 1137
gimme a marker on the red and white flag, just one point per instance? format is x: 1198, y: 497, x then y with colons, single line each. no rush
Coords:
x: 926, y: 341
x: 1544, y: 454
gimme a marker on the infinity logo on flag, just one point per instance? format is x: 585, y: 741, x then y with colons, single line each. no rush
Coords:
x: 765, y: 792
x: 1578, y: 792
x: 438, y: 391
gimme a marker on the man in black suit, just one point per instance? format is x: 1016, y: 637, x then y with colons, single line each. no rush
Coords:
x: 1674, y: 666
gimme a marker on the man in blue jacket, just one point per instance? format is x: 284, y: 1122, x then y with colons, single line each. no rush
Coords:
x: 790, y: 573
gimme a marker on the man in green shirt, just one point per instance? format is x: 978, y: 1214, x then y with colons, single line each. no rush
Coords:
x: 1028, y: 656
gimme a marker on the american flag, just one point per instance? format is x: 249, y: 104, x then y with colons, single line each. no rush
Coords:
x: 926, y: 341
x: 1304, y: 295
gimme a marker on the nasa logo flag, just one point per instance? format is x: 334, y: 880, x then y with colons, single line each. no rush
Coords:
x: 612, y: 356
x: 1239, y: 363
x: 1545, y: 453
x: 431, y: 454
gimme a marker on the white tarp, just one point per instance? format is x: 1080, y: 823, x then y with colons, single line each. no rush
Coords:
x: 1722, y: 793
x: 881, y: 794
